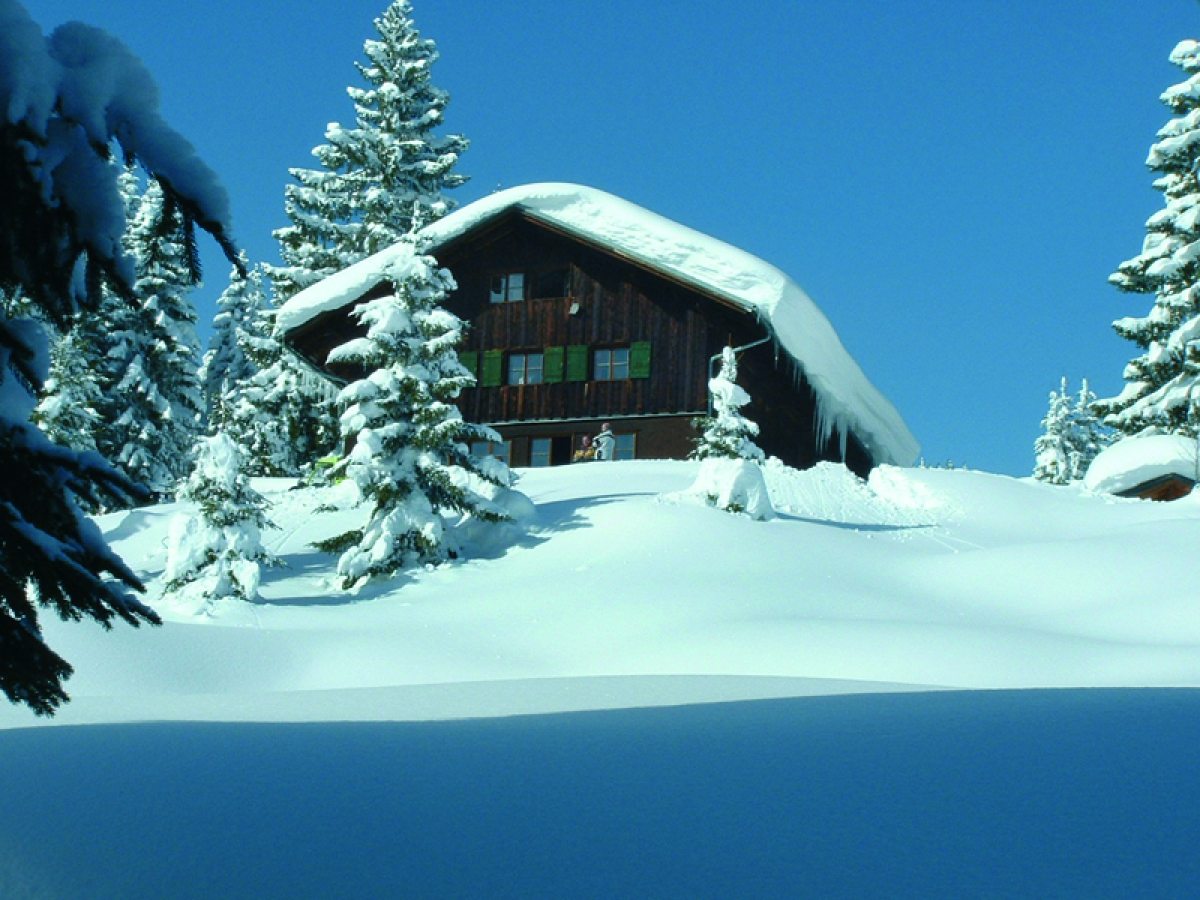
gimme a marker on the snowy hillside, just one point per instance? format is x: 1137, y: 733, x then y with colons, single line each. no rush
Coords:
x: 919, y: 577
x: 618, y: 597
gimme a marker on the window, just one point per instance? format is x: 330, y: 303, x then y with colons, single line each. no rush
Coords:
x: 508, y: 288
x: 539, y: 452
x: 549, y: 284
x: 625, y: 447
x: 525, y: 368
x: 501, y: 450
x: 610, y: 365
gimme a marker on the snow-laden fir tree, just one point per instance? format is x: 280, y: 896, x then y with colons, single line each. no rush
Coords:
x: 283, y: 415
x: 1162, y: 380
x: 380, y: 179
x: 217, y: 554
x: 79, y: 400
x: 67, y: 411
x: 1052, y: 449
x: 411, y: 456
x: 65, y: 97
x: 727, y: 434
x: 155, y: 354
x: 730, y: 475
x: 1072, y: 436
x: 1089, y: 435
x: 228, y: 362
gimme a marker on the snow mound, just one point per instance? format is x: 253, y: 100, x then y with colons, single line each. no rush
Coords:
x: 830, y: 492
x: 847, y: 400
x: 736, y: 485
x: 1137, y: 460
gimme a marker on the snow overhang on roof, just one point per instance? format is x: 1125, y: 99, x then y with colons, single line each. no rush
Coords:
x: 1136, y: 461
x: 846, y: 399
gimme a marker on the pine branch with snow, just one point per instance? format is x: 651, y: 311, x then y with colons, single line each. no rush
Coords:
x: 411, y: 456
x: 217, y: 555
x: 64, y: 101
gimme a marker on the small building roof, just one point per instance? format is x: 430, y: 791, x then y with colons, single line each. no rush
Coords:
x: 846, y: 400
x: 1136, y: 461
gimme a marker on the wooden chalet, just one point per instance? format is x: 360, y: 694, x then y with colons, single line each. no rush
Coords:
x: 569, y: 329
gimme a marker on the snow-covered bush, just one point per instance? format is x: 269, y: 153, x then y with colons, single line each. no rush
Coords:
x: 734, y: 485
x: 217, y: 554
x: 727, y: 434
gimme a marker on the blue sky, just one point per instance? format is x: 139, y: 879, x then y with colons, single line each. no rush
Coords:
x: 951, y: 182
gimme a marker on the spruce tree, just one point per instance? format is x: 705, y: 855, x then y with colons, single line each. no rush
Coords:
x: 727, y: 434
x: 218, y: 554
x: 1072, y: 436
x: 1163, y: 382
x: 1052, y: 449
x: 155, y: 354
x: 380, y: 179
x: 66, y: 97
x: 228, y: 362
x: 283, y: 415
x: 1088, y: 434
x: 67, y: 411
x: 411, y: 456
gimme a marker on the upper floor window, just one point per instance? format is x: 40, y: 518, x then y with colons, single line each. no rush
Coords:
x: 550, y: 283
x: 611, y: 364
x: 525, y: 368
x: 512, y: 287
x: 508, y: 288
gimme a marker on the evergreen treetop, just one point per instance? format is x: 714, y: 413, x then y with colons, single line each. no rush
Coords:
x: 1161, y: 388
x: 380, y: 179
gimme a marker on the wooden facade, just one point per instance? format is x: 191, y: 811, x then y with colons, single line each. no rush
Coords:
x: 564, y: 335
x: 1165, y: 487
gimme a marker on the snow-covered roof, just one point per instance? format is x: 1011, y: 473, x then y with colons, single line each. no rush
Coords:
x: 1135, y: 461
x: 846, y: 399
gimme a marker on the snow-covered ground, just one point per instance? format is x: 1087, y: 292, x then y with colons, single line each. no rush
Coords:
x: 646, y: 696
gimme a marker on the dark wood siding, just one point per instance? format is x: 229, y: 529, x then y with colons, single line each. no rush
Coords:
x: 608, y: 302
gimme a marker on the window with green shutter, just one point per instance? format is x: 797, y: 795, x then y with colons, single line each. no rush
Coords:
x: 470, y: 361
x: 639, y: 359
x: 493, y: 368
x: 577, y: 362
x: 553, y: 362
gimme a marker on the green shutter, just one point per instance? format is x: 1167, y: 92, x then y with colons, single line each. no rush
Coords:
x: 552, y: 365
x: 493, y: 368
x: 470, y: 361
x: 577, y: 362
x: 639, y: 359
